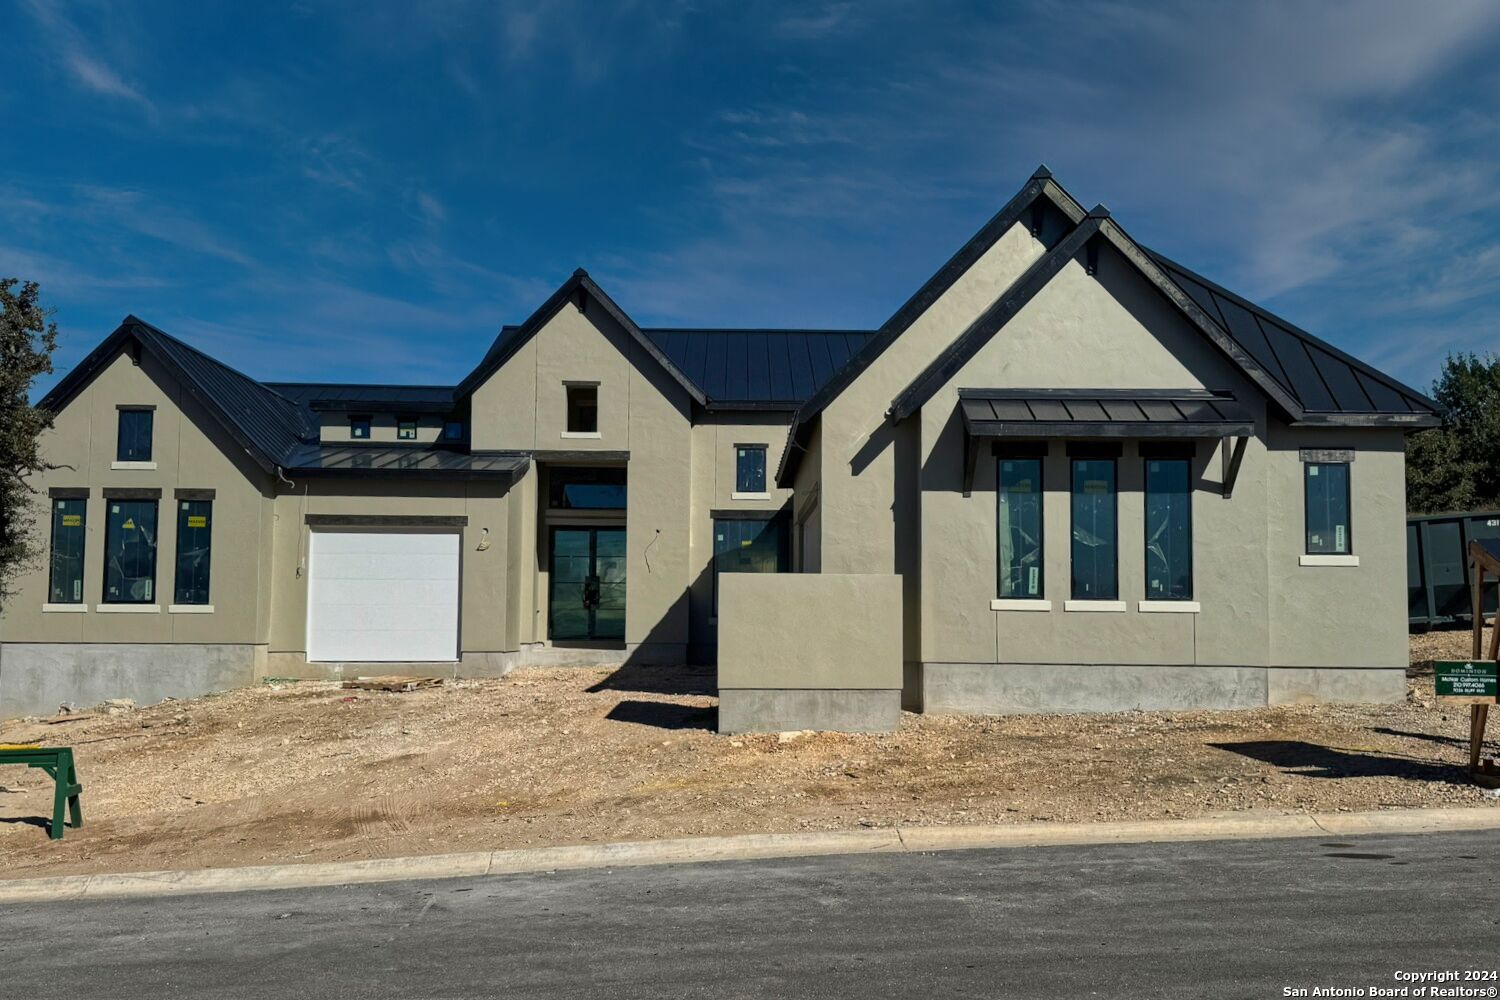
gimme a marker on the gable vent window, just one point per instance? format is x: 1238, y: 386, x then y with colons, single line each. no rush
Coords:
x: 135, y: 436
x: 583, y: 409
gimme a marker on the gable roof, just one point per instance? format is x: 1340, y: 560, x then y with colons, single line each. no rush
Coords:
x: 267, y: 425
x: 578, y: 289
x: 1308, y: 380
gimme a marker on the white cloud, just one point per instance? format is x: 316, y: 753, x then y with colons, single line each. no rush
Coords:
x: 78, y: 57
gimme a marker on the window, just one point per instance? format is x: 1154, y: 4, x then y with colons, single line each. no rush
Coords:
x: 1327, y: 507
x: 453, y: 430
x: 1169, y: 530
x: 1020, y: 521
x: 750, y: 468
x: 68, y: 522
x: 1094, y: 530
x: 583, y: 409
x: 359, y: 428
x: 135, y: 436
x: 406, y: 429
x: 744, y: 545
x: 586, y: 488
x: 194, y: 538
x: 130, y: 552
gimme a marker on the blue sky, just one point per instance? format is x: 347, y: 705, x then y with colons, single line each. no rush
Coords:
x: 368, y: 191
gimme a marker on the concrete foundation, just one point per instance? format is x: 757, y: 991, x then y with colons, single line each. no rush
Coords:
x: 37, y: 677
x: 769, y: 710
x: 1019, y: 688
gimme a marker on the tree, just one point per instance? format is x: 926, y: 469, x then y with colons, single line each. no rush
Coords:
x: 1456, y: 467
x: 27, y: 339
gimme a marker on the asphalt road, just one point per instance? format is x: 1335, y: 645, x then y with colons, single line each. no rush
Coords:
x: 1202, y: 920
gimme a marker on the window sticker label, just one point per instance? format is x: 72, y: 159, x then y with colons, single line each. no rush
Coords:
x: 1031, y: 580
x: 114, y: 508
x: 1095, y: 486
x: 72, y: 520
x: 77, y: 590
x: 129, y: 524
x: 148, y: 589
x: 1312, y: 470
x: 197, y: 521
x: 1338, y: 537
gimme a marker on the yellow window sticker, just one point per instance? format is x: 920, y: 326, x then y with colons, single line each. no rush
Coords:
x: 72, y: 520
x: 197, y: 521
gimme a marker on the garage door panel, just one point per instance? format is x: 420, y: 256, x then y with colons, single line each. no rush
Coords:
x: 397, y: 593
x: 383, y: 597
x: 385, y: 566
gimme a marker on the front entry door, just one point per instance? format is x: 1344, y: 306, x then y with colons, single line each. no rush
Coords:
x: 588, y: 584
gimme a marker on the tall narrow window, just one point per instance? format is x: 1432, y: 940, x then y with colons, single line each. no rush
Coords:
x: 68, y: 523
x: 1327, y: 507
x: 194, y: 545
x: 583, y: 409
x: 1169, y: 530
x: 1020, y: 521
x: 750, y: 468
x: 743, y: 545
x: 134, y: 443
x: 130, y: 552
x: 1095, y: 530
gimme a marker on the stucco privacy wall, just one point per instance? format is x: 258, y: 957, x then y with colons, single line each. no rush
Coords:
x: 809, y: 651
x: 1261, y: 611
x: 642, y: 411
x: 189, y: 450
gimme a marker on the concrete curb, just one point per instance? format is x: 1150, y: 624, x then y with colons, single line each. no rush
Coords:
x: 1237, y: 826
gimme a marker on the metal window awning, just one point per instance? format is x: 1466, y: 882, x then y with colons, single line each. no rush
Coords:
x: 990, y: 414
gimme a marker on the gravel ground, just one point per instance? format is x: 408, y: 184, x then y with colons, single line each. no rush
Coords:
x: 307, y: 771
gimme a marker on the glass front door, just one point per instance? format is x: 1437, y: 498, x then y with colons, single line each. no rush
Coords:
x: 588, y: 584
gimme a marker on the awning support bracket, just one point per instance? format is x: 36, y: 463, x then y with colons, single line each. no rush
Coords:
x: 1233, y: 456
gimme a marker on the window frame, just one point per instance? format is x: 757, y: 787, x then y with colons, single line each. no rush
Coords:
x: 780, y: 520
x: 155, y: 504
x: 1185, y: 458
x: 741, y: 492
x: 356, y: 421
x: 406, y: 428
x: 82, y: 552
x: 1310, y: 461
x: 574, y: 403
x: 1039, y: 456
x: 1075, y: 456
x: 149, y: 414
x: 183, y: 514
x: 456, y: 427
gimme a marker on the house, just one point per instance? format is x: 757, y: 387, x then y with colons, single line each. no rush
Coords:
x: 1102, y: 480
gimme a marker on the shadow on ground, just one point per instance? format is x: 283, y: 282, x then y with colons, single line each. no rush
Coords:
x: 660, y: 680
x: 1311, y: 760
x: 665, y: 715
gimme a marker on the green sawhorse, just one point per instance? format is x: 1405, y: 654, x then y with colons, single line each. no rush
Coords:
x: 58, y: 762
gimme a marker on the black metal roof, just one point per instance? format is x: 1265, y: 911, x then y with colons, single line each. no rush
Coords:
x: 1103, y: 413
x: 350, y: 396
x: 1318, y: 376
x: 759, y: 367
x: 402, y: 460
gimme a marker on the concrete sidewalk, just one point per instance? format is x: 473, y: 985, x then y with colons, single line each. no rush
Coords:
x: 1237, y: 826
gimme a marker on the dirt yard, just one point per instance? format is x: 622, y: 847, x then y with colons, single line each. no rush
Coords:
x: 309, y: 772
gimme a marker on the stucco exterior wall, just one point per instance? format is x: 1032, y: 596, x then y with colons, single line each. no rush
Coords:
x: 189, y: 450
x: 642, y: 411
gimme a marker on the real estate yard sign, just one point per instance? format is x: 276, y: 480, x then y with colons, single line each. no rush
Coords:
x: 1468, y: 682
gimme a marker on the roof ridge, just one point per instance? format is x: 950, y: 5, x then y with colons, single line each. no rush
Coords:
x: 831, y: 331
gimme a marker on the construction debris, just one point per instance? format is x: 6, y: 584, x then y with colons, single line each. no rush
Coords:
x: 394, y: 684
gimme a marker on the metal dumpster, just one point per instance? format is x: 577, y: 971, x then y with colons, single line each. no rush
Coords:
x: 1437, y: 568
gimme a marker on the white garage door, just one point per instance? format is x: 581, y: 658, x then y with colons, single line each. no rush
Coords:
x: 382, y: 596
